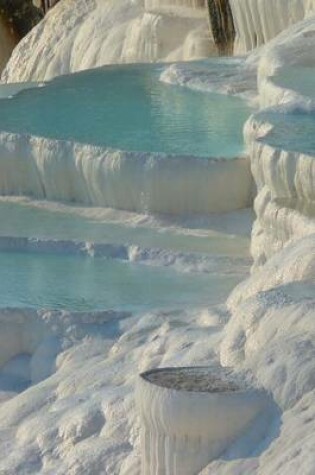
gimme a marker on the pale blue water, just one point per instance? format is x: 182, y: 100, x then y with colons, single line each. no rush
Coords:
x: 53, y: 280
x: 295, y: 128
x: 23, y: 220
x: 10, y: 89
x: 293, y: 131
x: 299, y: 79
x: 128, y: 108
x: 77, y: 283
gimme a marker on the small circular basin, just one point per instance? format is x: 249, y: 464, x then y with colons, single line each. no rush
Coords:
x: 189, y: 416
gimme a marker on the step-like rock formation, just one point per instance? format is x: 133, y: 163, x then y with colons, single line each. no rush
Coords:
x: 83, y: 34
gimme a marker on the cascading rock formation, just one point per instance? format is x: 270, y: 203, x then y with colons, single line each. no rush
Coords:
x: 82, y: 414
x: 125, y: 31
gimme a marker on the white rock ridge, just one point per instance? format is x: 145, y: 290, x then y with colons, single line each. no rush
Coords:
x: 190, y: 421
x: 82, y: 418
x: 258, y: 21
x: 271, y: 332
x: 83, y: 34
x: 90, y: 175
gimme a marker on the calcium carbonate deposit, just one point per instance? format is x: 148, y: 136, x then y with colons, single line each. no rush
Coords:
x: 82, y: 34
x: 115, y: 261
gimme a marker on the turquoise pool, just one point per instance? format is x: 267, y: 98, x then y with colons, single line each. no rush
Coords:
x: 28, y: 219
x: 293, y: 131
x: 128, y: 108
x: 77, y: 283
x: 299, y: 79
x: 177, y: 267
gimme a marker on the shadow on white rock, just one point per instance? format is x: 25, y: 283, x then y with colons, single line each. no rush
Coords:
x: 31, y: 341
x: 190, y: 416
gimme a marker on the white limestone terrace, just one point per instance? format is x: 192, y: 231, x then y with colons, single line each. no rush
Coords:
x: 203, y: 194
x: 77, y: 415
x: 152, y: 149
x: 271, y: 330
x: 58, y: 427
x: 83, y: 34
x: 281, y: 142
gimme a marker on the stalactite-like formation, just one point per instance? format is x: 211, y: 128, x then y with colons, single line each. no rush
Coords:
x: 182, y: 431
x: 222, y: 25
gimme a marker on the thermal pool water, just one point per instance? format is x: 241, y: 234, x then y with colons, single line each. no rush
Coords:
x: 56, y: 256
x: 67, y: 378
x: 61, y: 258
x: 128, y: 108
x: 78, y: 283
x: 112, y: 189
x: 119, y: 137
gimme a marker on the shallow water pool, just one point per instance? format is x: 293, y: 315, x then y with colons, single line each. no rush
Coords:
x: 81, y: 283
x: 128, y: 108
x: 292, y: 131
x: 20, y: 218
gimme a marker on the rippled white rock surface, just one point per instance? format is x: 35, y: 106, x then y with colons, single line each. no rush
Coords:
x: 271, y: 330
x: 258, y: 21
x: 189, y: 416
x: 81, y: 418
x: 82, y: 34
x: 119, y: 137
x: 74, y: 372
